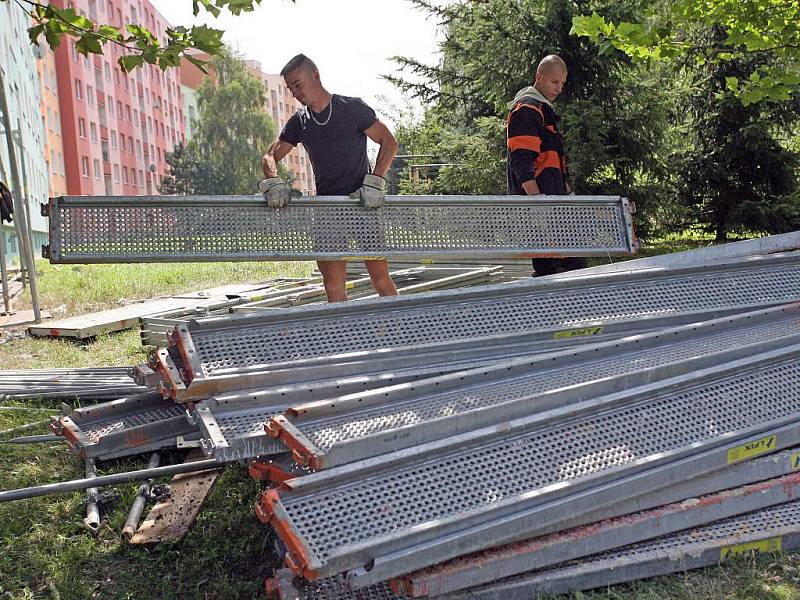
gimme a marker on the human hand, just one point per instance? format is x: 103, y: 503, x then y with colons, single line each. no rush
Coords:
x: 371, y: 192
x: 276, y: 192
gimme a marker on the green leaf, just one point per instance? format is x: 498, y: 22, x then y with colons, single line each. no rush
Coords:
x: 110, y: 32
x: 589, y: 26
x: 130, y: 61
x: 34, y: 33
x: 89, y: 43
x: 207, y: 39
x: 200, y: 64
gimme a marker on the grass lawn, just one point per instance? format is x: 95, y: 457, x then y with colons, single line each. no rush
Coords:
x: 45, y: 553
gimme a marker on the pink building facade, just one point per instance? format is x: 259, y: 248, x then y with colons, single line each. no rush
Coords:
x: 116, y: 127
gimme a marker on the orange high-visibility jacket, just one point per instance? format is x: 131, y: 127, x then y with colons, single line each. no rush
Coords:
x: 535, y: 148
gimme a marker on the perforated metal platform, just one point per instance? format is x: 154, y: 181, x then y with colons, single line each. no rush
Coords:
x: 512, y: 560
x: 130, y: 425
x: 359, y: 426
x: 205, y: 228
x: 350, y: 516
x: 557, y: 310
x: 233, y: 424
x: 765, y: 530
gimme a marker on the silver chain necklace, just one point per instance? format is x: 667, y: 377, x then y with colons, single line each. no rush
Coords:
x: 330, y: 113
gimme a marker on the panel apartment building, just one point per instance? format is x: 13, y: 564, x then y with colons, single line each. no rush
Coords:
x: 279, y: 104
x: 18, y: 63
x: 116, y: 127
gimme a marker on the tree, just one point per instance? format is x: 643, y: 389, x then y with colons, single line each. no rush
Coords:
x: 767, y: 31
x: 231, y: 134
x: 736, y: 174
x: 53, y: 21
x: 614, y: 113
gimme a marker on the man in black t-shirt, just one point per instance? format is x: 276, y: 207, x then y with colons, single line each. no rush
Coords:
x: 334, y: 131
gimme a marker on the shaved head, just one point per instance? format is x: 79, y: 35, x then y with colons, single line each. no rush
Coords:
x: 299, y: 61
x: 550, y: 63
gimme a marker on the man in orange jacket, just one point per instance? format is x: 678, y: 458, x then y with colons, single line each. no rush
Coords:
x: 536, y: 148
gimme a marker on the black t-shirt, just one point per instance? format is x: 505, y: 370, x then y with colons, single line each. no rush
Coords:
x: 338, y: 149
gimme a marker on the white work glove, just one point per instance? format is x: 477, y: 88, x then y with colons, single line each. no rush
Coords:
x: 276, y: 192
x: 371, y: 192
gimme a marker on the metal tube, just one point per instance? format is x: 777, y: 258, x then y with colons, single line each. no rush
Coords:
x: 92, y: 520
x: 33, y: 439
x: 4, y: 271
x: 14, y: 222
x: 105, y: 480
x: 23, y: 427
x: 20, y: 220
x: 135, y: 515
x: 37, y: 315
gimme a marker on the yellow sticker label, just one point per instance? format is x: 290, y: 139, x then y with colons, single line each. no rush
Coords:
x: 583, y: 332
x: 355, y: 258
x: 765, y: 546
x: 426, y: 261
x: 795, y: 461
x: 751, y: 449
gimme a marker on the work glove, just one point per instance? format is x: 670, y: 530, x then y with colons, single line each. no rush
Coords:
x: 371, y: 192
x: 276, y: 192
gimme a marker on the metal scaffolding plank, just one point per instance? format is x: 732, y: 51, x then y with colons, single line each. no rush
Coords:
x: 767, y: 530
x: 109, y: 229
x: 541, y: 552
x: 444, y: 358
x: 233, y: 424
x: 348, y: 517
x: 337, y: 430
x: 556, y: 310
x: 783, y: 242
x: 772, y: 529
x: 131, y: 425
x: 101, y: 383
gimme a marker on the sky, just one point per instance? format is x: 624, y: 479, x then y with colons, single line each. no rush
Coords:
x: 350, y: 40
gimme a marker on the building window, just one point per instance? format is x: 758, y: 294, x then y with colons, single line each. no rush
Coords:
x: 113, y: 139
x: 107, y: 71
x: 90, y: 95
x: 119, y: 108
x: 124, y: 174
x: 116, y: 173
x: 110, y: 103
x: 74, y: 51
x: 96, y: 169
x: 133, y: 177
x: 85, y: 166
x: 78, y: 90
x: 81, y: 127
x: 138, y: 148
x: 122, y: 143
x: 141, y: 178
x: 116, y: 76
x: 93, y: 131
x: 53, y: 162
x: 61, y: 163
x: 128, y: 112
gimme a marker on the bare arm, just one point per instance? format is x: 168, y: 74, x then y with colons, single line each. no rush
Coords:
x: 276, y: 152
x: 380, y: 134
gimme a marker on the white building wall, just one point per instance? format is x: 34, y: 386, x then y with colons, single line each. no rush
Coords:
x: 18, y: 66
x: 190, y: 110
